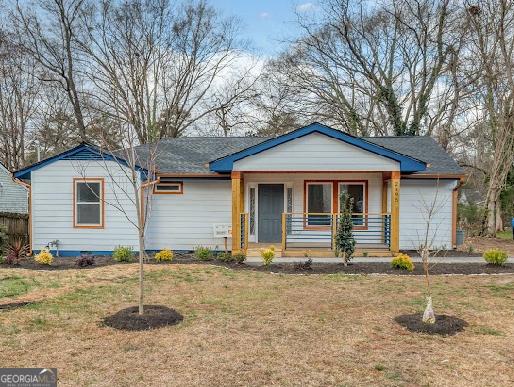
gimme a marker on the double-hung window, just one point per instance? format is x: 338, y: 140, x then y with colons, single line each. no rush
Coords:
x: 88, y: 203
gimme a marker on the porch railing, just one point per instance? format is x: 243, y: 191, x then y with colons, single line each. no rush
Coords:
x: 318, y: 230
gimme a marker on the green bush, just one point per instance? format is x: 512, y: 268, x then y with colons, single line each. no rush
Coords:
x: 268, y: 255
x: 228, y: 257
x: 402, y: 262
x: 123, y: 254
x: 495, y: 257
x: 203, y: 253
x: 238, y: 257
x: 224, y: 257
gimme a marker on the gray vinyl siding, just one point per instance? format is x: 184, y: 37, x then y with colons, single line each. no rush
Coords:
x: 13, y: 196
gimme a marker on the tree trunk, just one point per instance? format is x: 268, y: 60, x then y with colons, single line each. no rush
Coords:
x: 499, y: 220
x: 492, y: 200
x: 141, y: 271
x: 428, y: 314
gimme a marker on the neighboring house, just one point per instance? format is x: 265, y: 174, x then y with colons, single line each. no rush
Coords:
x: 282, y: 191
x: 471, y: 196
x: 13, y: 196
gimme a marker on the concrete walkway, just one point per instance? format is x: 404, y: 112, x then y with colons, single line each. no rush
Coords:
x: 258, y: 261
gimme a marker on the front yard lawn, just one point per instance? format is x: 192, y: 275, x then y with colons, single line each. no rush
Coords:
x: 244, y: 327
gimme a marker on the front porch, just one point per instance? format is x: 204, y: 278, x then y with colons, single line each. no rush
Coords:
x: 298, y: 239
x: 273, y: 209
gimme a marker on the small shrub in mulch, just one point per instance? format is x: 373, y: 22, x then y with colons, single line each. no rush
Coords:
x: 304, y: 266
x: 155, y: 316
x: 444, y: 325
x: 85, y: 261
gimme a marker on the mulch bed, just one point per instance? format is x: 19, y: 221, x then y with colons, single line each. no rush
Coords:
x: 155, y: 316
x: 67, y: 263
x: 385, y: 268
x: 444, y: 325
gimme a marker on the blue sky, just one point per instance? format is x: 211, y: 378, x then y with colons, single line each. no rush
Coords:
x: 266, y: 23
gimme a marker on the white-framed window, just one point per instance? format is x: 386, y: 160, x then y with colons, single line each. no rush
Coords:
x: 88, y: 202
x: 318, y: 202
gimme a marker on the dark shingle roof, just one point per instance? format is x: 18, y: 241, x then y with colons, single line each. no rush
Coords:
x: 422, y: 148
x: 193, y: 154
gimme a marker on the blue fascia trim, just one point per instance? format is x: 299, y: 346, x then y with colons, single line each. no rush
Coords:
x: 407, y: 163
x: 25, y: 172
x: 75, y: 253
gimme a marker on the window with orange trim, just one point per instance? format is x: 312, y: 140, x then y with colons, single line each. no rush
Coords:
x: 88, y: 203
x: 319, y: 202
x: 171, y: 187
x: 356, y: 191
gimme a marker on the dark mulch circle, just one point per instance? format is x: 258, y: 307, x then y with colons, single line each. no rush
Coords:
x: 444, y: 325
x: 155, y: 316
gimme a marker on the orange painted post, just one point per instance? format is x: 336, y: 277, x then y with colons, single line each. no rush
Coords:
x: 236, y: 211
x: 395, y: 212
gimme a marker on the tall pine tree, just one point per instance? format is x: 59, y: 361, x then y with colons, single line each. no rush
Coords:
x: 344, y: 240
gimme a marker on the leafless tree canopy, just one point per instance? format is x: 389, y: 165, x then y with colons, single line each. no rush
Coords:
x: 102, y: 71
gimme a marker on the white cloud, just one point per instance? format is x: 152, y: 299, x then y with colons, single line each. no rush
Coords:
x: 264, y: 15
x: 305, y: 7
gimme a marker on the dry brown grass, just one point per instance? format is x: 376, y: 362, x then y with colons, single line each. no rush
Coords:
x: 481, y: 244
x: 252, y: 328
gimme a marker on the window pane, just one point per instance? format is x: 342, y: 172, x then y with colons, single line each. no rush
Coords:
x: 88, y: 192
x: 356, y: 192
x: 319, y: 201
x: 168, y: 187
x: 88, y: 213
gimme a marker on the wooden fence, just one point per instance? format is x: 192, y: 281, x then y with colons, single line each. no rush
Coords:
x: 17, y: 226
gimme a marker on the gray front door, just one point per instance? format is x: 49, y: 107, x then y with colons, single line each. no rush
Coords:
x: 271, y: 206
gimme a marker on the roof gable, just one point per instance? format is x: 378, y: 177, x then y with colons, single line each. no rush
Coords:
x: 83, y: 151
x: 407, y: 163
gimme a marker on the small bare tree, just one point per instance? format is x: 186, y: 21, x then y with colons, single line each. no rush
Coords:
x: 137, y: 167
x: 429, y: 209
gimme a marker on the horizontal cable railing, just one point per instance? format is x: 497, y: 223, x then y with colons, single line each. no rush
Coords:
x: 319, y: 229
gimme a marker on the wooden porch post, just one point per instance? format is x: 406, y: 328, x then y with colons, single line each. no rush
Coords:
x: 237, y: 209
x: 395, y: 212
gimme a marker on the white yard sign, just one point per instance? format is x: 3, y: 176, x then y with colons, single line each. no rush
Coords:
x: 222, y: 230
